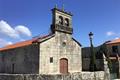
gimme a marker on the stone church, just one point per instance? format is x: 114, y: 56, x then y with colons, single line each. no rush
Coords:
x: 55, y: 53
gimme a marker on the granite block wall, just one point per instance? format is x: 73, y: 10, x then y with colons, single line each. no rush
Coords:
x: 75, y: 76
x: 20, y: 60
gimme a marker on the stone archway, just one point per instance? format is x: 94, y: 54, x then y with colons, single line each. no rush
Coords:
x: 63, y: 65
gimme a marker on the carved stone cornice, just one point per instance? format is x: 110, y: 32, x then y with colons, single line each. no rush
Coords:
x: 61, y: 28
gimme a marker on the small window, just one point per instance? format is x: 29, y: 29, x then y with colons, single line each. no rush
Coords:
x: 67, y: 22
x: 114, y: 49
x: 61, y: 20
x: 51, y: 59
x: 13, y: 66
x: 64, y: 44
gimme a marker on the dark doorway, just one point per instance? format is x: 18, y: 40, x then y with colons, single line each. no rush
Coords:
x: 13, y: 66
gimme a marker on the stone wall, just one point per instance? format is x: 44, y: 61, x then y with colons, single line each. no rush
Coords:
x: 75, y: 76
x: 20, y: 60
x: 58, y: 47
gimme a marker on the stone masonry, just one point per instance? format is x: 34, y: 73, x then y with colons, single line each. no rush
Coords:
x: 55, y: 48
x: 75, y: 76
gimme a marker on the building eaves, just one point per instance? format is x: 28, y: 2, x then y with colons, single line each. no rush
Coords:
x: 116, y: 41
x: 27, y: 42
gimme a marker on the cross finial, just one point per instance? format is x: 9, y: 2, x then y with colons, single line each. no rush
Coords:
x: 63, y: 7
x: 55, y: 5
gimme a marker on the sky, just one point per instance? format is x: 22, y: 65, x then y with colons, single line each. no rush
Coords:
x: 23, y: 19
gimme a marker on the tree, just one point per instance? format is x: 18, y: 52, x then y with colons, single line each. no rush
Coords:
x: 104, y: 50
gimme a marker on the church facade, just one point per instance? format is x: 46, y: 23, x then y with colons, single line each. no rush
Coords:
x: 55, y: 53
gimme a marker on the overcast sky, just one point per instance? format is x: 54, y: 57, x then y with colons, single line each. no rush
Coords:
x: 23, y: 19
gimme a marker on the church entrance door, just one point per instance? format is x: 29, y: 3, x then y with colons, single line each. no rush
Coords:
x: 63, y: 65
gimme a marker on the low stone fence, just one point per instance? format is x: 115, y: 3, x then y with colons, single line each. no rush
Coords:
x: 75, y: 76
x: 99, y: 75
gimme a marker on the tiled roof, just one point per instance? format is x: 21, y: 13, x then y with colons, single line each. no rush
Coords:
x: 114, y: 41
x: 19, y: 44
x: 24, y: 43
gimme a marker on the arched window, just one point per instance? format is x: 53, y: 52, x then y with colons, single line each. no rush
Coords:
x: 67, y: 22
x: 61, y: 20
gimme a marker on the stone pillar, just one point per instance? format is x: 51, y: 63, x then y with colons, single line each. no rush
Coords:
x: 119, y: 67
x: 106, y: 69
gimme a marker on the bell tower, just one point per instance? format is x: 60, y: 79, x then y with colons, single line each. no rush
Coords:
x: 61, y: 21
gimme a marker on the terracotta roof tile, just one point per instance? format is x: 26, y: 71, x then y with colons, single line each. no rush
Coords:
x: 114, y: 41
x: 23, y: 43
x: 19, y: 44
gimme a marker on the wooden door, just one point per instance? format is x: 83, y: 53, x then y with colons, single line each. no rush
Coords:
x: 63, y: 66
